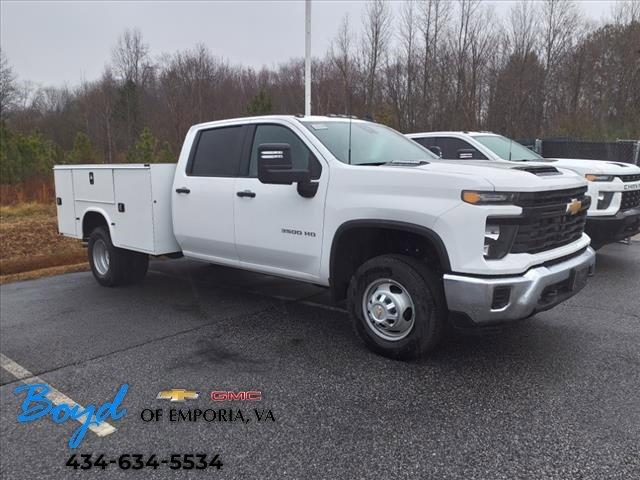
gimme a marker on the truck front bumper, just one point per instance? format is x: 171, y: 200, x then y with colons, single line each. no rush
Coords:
x: 603, y: 230
x: 494, y: 300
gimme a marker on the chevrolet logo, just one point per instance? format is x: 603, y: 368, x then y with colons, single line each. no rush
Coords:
x: 574, y: 206
x: 177, y: 395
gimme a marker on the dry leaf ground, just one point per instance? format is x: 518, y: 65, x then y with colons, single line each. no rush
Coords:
x: 30, y: 245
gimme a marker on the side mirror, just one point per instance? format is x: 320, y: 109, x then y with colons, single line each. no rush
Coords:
x: 275, y: 165
x: 466, y: 153
x: 436, y: 150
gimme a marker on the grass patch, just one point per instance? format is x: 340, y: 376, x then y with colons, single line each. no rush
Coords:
x: 30, y: 241
x: 22, y: 210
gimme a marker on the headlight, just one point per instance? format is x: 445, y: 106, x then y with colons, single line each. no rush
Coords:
x: 592, y: 177
x: 498, y: 239
x: 488, y: 198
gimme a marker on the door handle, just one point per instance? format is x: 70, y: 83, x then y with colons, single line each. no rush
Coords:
x: 246, y: 193
x: 182, y: 190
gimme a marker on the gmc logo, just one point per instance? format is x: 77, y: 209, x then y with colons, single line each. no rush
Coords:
x: 219, y: 396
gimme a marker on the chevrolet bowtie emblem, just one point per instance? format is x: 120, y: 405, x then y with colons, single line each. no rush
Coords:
x: 573, y: 207
x: 177, y: 395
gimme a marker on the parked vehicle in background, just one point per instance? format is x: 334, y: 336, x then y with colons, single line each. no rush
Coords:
x: 614, y: 187
x: 410, y: 242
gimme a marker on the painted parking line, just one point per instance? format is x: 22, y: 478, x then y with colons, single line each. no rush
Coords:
x: 56, y: 396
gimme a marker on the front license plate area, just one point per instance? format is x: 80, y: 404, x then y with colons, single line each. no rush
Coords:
x: 578, y: 278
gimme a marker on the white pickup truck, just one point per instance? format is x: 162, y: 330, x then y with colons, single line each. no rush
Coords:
x: 614, y: 187
x: 410, y: 242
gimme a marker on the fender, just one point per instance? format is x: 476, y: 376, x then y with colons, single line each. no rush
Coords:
x: 100, y: 211
x: 429, y: 234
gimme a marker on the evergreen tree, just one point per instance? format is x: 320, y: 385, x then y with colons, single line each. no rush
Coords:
x: 148, y: 150
x: 22, y: 156
x: 82, y: 151
x: 145, y: 149
x: 166, y: 155
x: 260, y: 104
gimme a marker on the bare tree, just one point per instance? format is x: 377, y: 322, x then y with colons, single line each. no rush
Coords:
x: 560, y: 29
x: 522, y: 31
x: 408, y: 41
x: 625, y: 12
x: 401, y: 71
x: 433, y: 19
x: 377, y: 30
x: 193, y: 84
x: 8, y: 89
x: 516, y: 100
x: 341, y: 57
x: 130, y: 58
x: 467, y: 45
x: 96, y: 105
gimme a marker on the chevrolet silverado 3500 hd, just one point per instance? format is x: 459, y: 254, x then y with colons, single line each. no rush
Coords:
x: 614, y: 187
x: 411, y: 243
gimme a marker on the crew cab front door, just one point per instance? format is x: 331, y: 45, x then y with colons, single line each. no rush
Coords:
x: 277, y: 229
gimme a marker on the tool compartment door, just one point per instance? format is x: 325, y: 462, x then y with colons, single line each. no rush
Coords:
x: 93, y: 185
x: 133, y: 216
x: 65, y: 202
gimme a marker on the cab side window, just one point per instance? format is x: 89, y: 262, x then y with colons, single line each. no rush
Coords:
x: 455, y: 148
x: 217, y: 152
x: 301, y: 156
x: 430, y: 143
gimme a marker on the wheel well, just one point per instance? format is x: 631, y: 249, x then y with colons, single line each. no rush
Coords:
x: 352, y: 246
x: 91, y: 221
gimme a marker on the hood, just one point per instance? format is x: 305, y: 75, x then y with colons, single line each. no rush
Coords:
x: 510, y: 176
x: 584, y: 166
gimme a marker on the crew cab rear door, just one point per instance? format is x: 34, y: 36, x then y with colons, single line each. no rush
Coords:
x: 277, y: 229
x: 204, y: 193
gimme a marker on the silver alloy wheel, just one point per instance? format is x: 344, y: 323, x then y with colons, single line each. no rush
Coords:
x: 388, y: 309
x: 101, y: 257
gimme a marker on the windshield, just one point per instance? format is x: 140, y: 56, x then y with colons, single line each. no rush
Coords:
x: 371, y: 143
x: 507, y: 149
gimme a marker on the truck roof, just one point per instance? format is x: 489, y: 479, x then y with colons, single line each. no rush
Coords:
x: 452, y: 132
x: 263, y: 118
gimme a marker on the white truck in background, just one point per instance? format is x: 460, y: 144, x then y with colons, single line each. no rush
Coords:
x: 410, y: 242
x: 614, y: 187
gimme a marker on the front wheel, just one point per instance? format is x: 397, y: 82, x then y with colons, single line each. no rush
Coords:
x: 112, y: 266
x: 397, y: 305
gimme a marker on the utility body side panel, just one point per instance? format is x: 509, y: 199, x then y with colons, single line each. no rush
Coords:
x: 134, y: 199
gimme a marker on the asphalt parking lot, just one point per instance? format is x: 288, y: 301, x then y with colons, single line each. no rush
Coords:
x: 556, y: 396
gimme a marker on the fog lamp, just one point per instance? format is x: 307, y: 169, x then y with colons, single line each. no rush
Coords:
x: 498, y: 240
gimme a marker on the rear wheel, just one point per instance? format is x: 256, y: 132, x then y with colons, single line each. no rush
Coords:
x: 112, y: 266
x: 397, y: 305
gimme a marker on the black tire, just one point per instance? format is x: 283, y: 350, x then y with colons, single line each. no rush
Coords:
x: 123, y: 267
x: 426, y: 292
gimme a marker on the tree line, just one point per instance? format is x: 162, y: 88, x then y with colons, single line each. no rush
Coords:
x: 541, y: 70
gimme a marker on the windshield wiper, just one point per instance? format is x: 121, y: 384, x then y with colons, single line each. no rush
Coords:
x: 395, y: 162
x: 407, y: 162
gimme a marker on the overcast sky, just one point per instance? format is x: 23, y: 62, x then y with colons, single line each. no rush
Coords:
x: 53, y: 43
